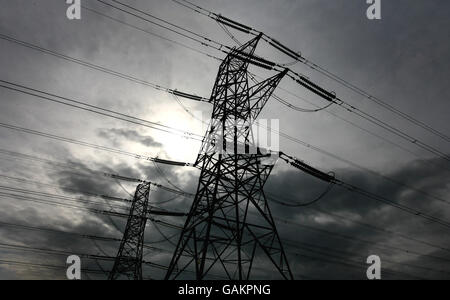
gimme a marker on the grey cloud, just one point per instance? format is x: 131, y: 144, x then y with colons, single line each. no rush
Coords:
x: 114, y: 134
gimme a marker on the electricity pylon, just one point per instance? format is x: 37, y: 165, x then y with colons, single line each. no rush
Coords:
x: 128, y: 263
x: 219, y: 235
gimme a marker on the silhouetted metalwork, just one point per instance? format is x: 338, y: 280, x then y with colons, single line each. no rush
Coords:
x: 128, y: 263
x: 219, y: 235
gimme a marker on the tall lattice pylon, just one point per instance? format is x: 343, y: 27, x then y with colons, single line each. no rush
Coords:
x: 221, y: 234
x: 128, y: 263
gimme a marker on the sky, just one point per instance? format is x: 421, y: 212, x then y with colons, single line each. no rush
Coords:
x: 403, y: 59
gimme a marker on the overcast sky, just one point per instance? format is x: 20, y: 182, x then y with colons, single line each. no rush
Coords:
x: 404, y: 59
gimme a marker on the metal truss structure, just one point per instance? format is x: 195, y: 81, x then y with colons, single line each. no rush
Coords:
x: 220, y: 235
x: 128, y: 262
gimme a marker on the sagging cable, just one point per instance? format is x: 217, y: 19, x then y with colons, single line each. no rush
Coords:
x: 320, y: 197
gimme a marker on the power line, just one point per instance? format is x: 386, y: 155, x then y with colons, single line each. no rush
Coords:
x: 331, y: 179
x: 305, y: 82
x: 339, y: 260
x: 324, y: 109
x: 28, y: 181
x: 151, y: 33
x: 410, y: 139
x: 377, y: 245
x: 378, y: 229
x: 345, y: 120
x: 54, y: 53
x: 330, y: 252
x: 100, y: 68
x: 365, y: 241
x: 90, y: 145
x: 373, y: 244
x: 298, y: 57
x: 269, y: 198
x: 29, y: 265
x: 331, y: 97
x: 344, y: 185
x: 203, y: 40
x: 91, y: 108
x: 407, y: 209
x: 153, y: 211
x: 71, y: 100
x: 282, y: 101
x: 63, y: 252
x: 366, y: 225
x: 347, y: 260
x: 60, y: 197
x: 60, y: 204
x: 293, y: 204
x: 346, y: 161
x: 318, y: 108
x: 377, y: 101
x: 94, y: 173
x: 34, y: 228
x: 272, y: 199
x: 56, y: 231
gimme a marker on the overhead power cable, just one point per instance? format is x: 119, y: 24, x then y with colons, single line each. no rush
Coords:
x: 298, y: 57
x: 91, y: 108
x: 283, y: 135
x: 90, y: 145
x: 373, y: 244
x: 57, y: 231
x: 323, y: 256
x: 331, y: 97
x: 273, y: 198
x: 313, y: 110
x: 30, y: 265
x: 327, y: 252
x: 207, y: 42
x: 293, y: 204
x: 150, y: 33
x: 124, y: 215
x: 59, y: 197
x: 79, y: 169
x: 378, y: 229
x: 331, y: 179
x: 100, y: 68
x: 153, y: 211
x: 189, y: 96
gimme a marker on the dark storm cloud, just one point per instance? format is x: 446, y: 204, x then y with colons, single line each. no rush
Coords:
x: 323, y: 254
x: 120, y: 134
x: 316, y: 255
x: 344, y: 213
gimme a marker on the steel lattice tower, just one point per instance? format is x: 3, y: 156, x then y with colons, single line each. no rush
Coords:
x: 128, y: 263
x: 219, y: 234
